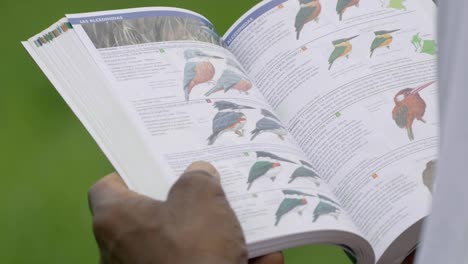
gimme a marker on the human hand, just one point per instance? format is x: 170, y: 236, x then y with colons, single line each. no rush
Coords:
x: 195, y: 225
x: 410, y: 258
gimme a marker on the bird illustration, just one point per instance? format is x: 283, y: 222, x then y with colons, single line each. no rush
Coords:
x: 262, y: 169
x: 310, y: 10
x: 429, y: 175
x: 198, y: 69
x: 383, y: 38
x: 226, y: 105
x: 342, y: 49
x: 324, y: 208
x: 342, y: 5
x: 234, y: 64
x: 328, y: 200
x: 306, y: 164
x: 303, y: 172
x: 268, y: 125
x: 231, y: 79
x: 297, y: 193
x: 409, y: 105
x: 271, y: 156
x: 289, y: 205
x: 269, y: 114
x: 227, y: 122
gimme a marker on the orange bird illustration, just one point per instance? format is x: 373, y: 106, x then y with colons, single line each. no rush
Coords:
x: 342, y: 5
x: 198, y: 70
x: 310, y: 10
x: 409, y: 105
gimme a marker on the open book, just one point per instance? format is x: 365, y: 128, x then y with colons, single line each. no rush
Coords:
x: 320, y: 116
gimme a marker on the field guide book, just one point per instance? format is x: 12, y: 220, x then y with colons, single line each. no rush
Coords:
x: 321, y: 116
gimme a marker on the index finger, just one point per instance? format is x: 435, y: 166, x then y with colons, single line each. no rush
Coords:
x: 107, y: 190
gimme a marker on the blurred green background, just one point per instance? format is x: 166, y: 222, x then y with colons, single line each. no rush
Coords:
x: 48, y: 160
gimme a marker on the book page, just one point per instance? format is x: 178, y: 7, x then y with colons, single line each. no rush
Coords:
x: 190, y: 100
x: 354, y: 83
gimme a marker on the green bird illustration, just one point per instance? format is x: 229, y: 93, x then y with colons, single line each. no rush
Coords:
x: 262, y: 169
x: 324, y: 208
x: 342, y: 49
x: 271, y: 156
x: 383, y: 38
x: 342, y: 5
x: 288, y: 205
x: 306, y: 164
x: 310, y: 10
x: 326, y: 199
x: 303, y: 172
x: 293, y: 192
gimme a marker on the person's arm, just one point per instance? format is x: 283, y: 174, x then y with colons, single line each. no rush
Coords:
x: 195, y: 225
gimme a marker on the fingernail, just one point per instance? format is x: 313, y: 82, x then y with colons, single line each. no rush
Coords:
x: 203, y: 166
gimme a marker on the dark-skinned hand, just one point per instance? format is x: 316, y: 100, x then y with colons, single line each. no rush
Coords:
x: 195, y: 225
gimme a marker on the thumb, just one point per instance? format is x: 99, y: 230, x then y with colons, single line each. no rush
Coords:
x: 200, y: 182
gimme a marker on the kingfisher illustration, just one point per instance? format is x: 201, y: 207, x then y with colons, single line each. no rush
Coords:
x: 227, y: 122
x: 409, y: 105
x: 383, y: 38
x: 289, y: 205
x: 268, y: 125
x: 310, y: 10
x: 306, y: 164
x: 429, y: 175
x: 271, y: 156
x: 342, y: 49
x: 342, y: 5
x: 293, y: 192
x: 269, y: 114
x: 303, y: 172
x: 325, y: 208
x: 234, y: 64
x: 263, y: 169
x: 226, y: 105
x: 231, y: 79
x: 198, y: 70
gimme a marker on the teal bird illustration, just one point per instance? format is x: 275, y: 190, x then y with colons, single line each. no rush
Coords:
x: 288, y: 205
x: 310, y: 10
x: 198, y: 69
x: 342, y: 5
x: 268, y: 125
x: 269, y: 114
x: 342, y: 49
x: 383, y: 38
x: 231, y: 80
x: 306, y: 164
x: 262, y: 169
x: 326, y: 199
x: 297, y: 193
x: 324, y: 208
x: 227, y: 122
x: 271, y: 156
x: 303, y: 172
x: 226, y: 105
